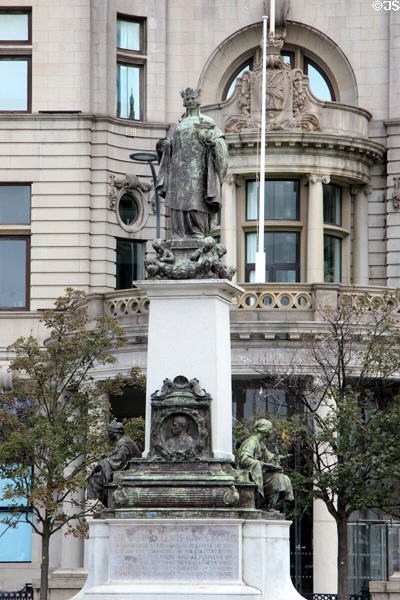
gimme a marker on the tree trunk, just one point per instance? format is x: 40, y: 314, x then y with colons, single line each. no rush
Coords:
x: 44, y: 566
x: 343, y: 583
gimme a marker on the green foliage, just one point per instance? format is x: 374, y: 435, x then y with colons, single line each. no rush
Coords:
x: 52, y: 423
x: 135, y: 429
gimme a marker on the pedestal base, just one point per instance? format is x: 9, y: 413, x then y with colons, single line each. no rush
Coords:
x: 202, y: 559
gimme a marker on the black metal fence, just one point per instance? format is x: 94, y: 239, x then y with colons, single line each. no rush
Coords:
x: 25, y: 594
x: 363, y: 596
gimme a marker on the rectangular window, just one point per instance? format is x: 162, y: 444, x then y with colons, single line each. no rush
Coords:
x: 130, y: 67
x: 129, y: 34
x: 15, y: 26
x: 15, y: 91
x: 281, y: 200
x: 128, y: 91
x: 129, y: 263
x: 15, y: 204
x: 282, y: 256
x: 332, y: 197
x: 16, y: 542
x: 332, y: 259
x: 15, y: 69
x: 14, y: 272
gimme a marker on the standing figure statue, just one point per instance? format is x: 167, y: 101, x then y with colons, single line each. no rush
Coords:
x: 273, y: 486
x: 192, y: 160
x: 118, y: 460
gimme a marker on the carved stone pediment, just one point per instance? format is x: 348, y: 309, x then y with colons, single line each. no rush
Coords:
x: 290, y: 105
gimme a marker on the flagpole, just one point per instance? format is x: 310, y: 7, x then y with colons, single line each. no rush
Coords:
x: 260, y: 254
x: 272, y: 18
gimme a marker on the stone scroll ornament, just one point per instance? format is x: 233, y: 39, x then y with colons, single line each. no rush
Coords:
x: 180, y: 428
x: 193, y: 164
x: 290, y: 105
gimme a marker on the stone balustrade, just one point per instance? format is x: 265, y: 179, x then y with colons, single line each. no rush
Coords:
x: 125, y: 303
x: 278, y: 298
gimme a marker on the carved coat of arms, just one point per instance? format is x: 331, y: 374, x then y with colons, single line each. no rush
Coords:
x: 290, y: 106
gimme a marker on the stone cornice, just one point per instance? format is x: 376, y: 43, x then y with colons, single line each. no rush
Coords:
x: 9, y: 117
x: 321, y: 142
x: 323, y: 103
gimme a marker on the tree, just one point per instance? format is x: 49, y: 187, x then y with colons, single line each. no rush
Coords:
x: 52, y: 421
x: 348, y: 431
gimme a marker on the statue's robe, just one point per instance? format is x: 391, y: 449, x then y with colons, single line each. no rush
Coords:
x: 189, y: 173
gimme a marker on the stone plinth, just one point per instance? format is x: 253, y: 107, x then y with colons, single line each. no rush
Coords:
x: 189, y: 334
x: 213, y: 559
x: 62, y: 583
x: 386, y: 590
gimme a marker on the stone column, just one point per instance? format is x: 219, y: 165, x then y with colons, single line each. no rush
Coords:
x: 360, y: 235
x: 228, y: 220
x: 324, y: 550
x: 315, y: 229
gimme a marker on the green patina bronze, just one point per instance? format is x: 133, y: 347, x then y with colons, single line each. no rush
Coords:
x: 194, y: 161
x: 193, y: 164
x: 253, y: 456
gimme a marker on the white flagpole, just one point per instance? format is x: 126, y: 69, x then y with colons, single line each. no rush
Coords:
x: 260, y: 254
x: 272, y: 18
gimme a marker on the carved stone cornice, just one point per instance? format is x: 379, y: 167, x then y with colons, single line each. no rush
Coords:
x: 362, y: 149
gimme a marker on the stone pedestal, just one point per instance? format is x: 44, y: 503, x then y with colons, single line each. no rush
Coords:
x: 189, y: 334
x: 181, y: 559
x: 386, y: 590
x: 181, y: 522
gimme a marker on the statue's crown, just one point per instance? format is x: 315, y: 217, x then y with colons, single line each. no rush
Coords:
x: 190, y: 92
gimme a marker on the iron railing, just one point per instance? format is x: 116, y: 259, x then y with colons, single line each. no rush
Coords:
x: 362, y: 596
x: 25, y: 594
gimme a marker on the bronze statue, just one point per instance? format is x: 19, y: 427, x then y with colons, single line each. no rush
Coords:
x: 192, y: 159
x: 118, y: 460
x: 273, y: 486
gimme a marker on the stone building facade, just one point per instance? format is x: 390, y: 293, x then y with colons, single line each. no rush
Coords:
x: 85, y: 83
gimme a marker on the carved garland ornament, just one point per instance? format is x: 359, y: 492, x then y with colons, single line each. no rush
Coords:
x: 124, y: 184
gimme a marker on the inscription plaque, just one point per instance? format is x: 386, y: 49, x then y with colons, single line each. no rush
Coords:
x: 172, y: 553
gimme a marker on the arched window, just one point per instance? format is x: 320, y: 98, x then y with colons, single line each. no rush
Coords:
x: 320, y: 84
x: 230, y: 86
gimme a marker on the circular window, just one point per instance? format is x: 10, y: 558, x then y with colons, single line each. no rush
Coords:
x: 128, y: 209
